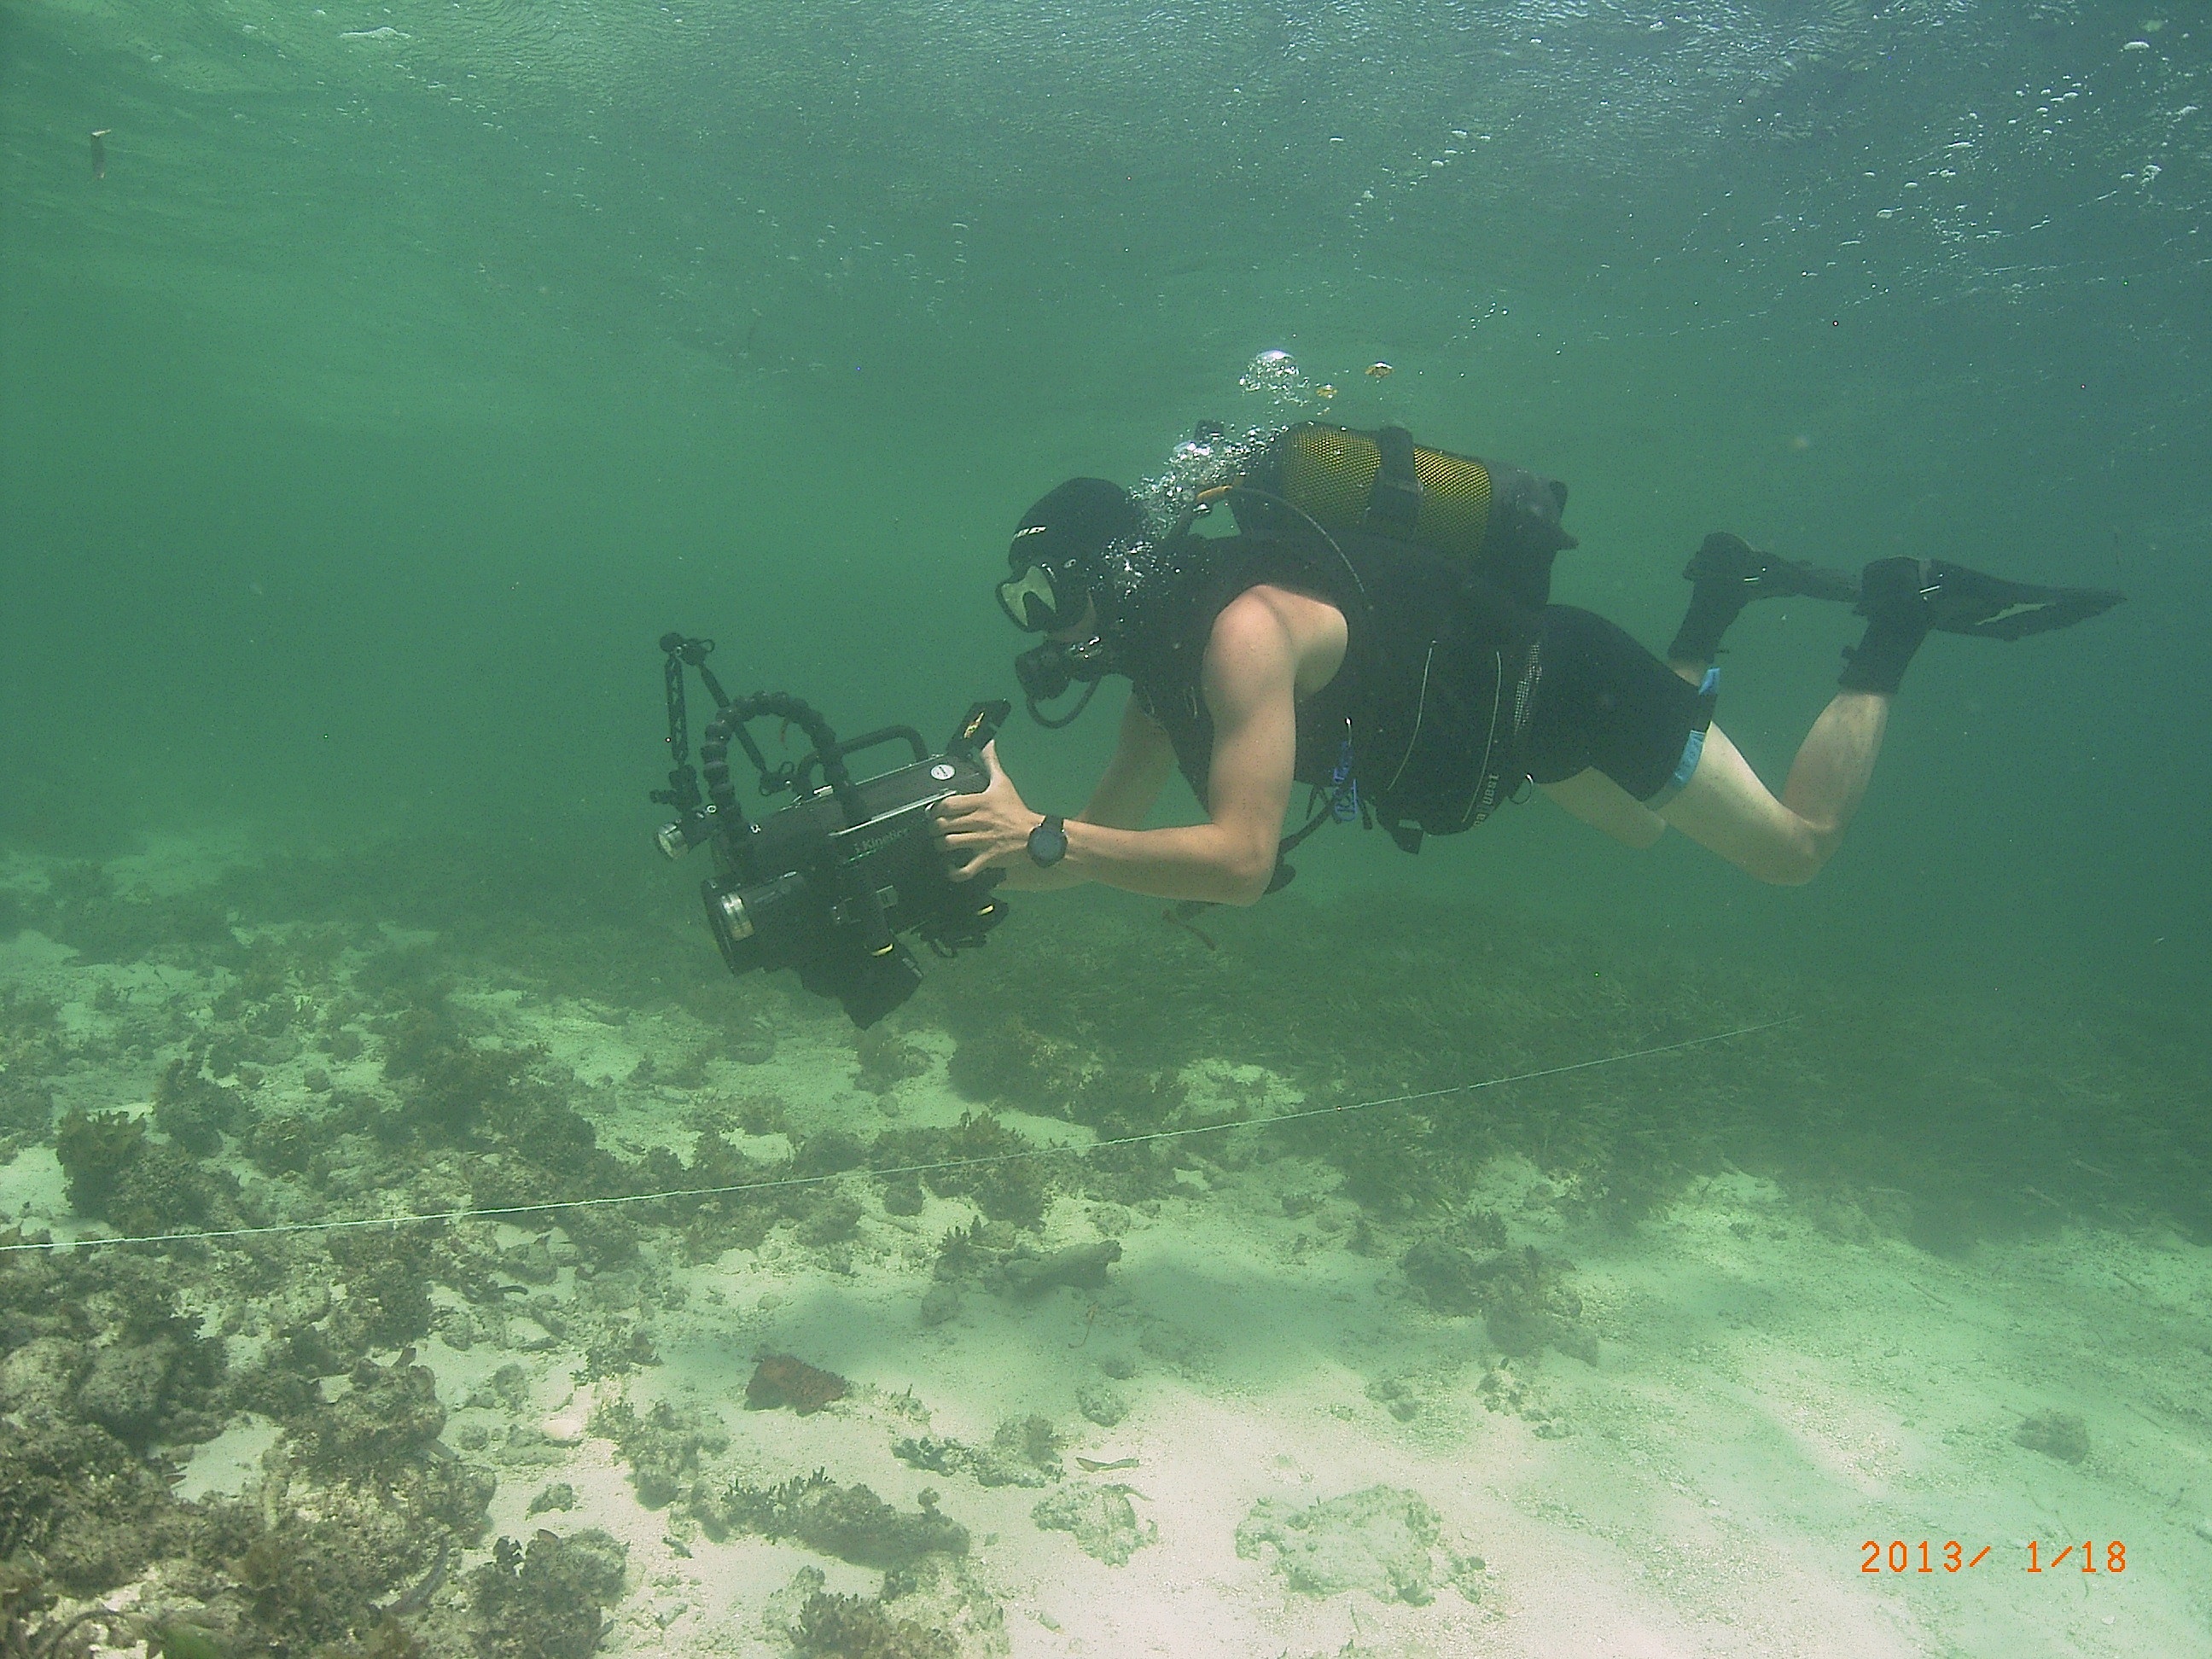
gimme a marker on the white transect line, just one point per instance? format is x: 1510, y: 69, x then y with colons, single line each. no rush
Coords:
x: 786, y: 1182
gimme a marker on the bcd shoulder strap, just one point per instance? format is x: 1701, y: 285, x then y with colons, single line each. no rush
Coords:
x: 1395, y: 501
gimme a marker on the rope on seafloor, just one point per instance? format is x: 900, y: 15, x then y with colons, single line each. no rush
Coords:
x: 785, y: 1182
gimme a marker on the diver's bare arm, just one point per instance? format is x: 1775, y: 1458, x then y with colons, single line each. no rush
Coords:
x: 1249, y: 686
x: 1143, y: 761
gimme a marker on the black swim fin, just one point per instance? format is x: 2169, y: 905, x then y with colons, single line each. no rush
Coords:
x: 1957, y: 600
x: 1733, y: 567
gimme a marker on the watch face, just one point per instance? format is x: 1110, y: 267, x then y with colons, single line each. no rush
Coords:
x: 1047, y: 842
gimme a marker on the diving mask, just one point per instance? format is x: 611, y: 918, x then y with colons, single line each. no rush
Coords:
x: 1057, y: 567
x: 1053, y: 565
x: 1042, y: 598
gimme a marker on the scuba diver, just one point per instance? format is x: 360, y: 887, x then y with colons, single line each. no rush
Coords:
x: 1379, y: 628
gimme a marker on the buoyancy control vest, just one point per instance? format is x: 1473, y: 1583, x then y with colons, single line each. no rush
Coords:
x: 1441, y: 654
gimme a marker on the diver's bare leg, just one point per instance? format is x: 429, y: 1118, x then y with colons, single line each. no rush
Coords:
x: 1726, y: 808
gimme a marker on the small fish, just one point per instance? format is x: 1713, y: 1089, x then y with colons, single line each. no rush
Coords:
x: 98, y: 137
x: 1325, y: 392
x: 1380, y: 371
x: 419, y: 1598
x: 1089, y: 1467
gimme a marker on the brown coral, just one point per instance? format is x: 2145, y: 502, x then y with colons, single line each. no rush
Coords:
x: 781, y: 1380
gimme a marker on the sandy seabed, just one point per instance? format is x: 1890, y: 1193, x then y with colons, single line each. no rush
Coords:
x: 1775, y: 1397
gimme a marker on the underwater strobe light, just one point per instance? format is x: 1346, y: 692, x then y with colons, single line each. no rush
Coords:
x: 826, y: 885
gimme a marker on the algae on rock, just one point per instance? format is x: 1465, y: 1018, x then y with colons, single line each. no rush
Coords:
x: 935, y: 1608
x: 850, y: 1523
x: 663, y: 1445
x: 1522, y: 1295
x: 1023, y: 1452
x: 547, y: 1602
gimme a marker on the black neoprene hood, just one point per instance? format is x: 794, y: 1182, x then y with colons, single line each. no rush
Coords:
x: 1073, y: 524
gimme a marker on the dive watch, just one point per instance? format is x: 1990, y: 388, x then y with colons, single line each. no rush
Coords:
x: 1048, y: 842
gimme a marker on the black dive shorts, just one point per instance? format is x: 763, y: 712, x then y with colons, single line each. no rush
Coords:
x: 1602, y: 701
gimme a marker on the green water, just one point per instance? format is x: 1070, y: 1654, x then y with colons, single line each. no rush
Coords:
x: 411, y: 368
x: 389, y: 395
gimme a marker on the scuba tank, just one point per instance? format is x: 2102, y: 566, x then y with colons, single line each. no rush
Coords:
x: 1500, y: 522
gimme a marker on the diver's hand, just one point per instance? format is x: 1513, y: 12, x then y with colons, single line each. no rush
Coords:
x: 988, y: 830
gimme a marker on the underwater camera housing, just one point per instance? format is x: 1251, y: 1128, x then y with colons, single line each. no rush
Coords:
x: 826, y: 885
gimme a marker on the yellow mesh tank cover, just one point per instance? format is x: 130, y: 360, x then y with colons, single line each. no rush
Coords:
x: 1330, y: 472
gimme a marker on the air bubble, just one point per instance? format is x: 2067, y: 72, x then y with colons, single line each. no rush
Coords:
x: 1275, y: 374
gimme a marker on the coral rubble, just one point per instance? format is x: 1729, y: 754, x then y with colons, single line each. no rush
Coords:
x: 1382, y: 1540
x: 1102, y: 1518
